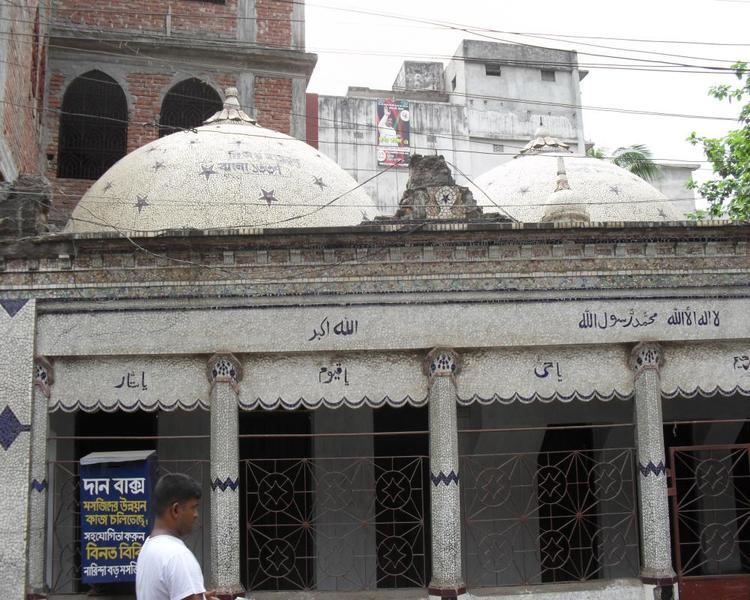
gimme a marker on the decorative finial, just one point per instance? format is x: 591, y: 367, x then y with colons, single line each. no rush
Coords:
x: 543, y: 142
x: 232, y: 110
x: 562, y: 176
x: 563, y: 205
x: 541, y: 131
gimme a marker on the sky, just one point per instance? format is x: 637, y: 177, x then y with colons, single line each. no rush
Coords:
x: 357, y: 49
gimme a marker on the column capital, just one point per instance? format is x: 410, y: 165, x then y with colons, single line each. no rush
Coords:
x: 44, y: 375
x: 646, y: 355
x: 442, y: 362
x: 224, y: 368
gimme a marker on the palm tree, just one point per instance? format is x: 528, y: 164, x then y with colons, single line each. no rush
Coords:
x: 636, y: 158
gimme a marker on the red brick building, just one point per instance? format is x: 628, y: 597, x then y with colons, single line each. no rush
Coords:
x: 97, y: 81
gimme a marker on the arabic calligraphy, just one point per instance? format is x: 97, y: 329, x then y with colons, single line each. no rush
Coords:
x: 544, y: 369
x: 130, y: 380
x: 694, y: 317
x: 742, y: 362
x: 343, y: 327
x: 593, y: 320
x: 686, y: 317
x: 338, y: 373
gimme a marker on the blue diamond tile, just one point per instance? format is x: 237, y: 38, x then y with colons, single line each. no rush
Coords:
x: 10, y: 428
x: 12, y: 306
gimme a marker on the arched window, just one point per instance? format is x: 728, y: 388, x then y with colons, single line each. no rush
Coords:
x: 93, y: 126
x: 187, y: 105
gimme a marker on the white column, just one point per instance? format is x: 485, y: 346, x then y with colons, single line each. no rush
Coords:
x: 656, y: 551
x: 224, y: 374
x: 441, y: 367
x: 38, y: 486
x: 17, y: 333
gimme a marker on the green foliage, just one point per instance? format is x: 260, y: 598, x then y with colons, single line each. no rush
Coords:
x: 636, y: 159
x: 728, y: 194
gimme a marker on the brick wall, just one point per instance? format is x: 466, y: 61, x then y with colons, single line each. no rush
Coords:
x: 273, y: 102
x: 188, y: 16
x: 144, y: 91
x: 23, y: 94
x: 274, y: 22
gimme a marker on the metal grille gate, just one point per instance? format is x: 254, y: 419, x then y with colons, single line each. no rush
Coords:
x: 710, y: 491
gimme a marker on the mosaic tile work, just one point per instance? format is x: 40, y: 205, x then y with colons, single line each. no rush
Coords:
x: 193, y: 180
x: 17, y: 358
x: 447, y: 573
x: 333, y: 380
x: 43, y: 381
x: 656, y: 553
x: 707, y: 369
x: 609, y: 192
x: 224, y: 372
x: 129, y: 383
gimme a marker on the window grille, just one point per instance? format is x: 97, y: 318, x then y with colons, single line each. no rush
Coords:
x: 187, y: 105
x: 93, y: 127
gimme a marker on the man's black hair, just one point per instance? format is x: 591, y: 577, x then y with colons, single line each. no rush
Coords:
x: 174, y: 487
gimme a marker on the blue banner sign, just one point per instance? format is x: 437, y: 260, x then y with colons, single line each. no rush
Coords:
x: 115, y: 513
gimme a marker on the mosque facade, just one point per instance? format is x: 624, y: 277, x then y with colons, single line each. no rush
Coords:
x: 535, y: 385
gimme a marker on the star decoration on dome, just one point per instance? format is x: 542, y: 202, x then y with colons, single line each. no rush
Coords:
x: 237, y: 142
x: 268, y: 196
x: 614, y: 189
x: 662, y: 214
x: 158, y: 165
x: 193, y: 142
x: 151, y: 149
x: 107, y: 186
x: 319, y: 182
x: 141, y: 202
x: 207, y: 171
x: 524, y: 190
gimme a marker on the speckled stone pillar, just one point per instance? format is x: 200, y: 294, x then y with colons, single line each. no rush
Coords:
x: 656, y: 553
x: 224, y: 374
x: 441, y: 367
x: 17, y: 327
x: 43, y: 379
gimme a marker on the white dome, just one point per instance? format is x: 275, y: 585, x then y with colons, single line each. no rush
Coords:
x: 522, y: 187
x: 229, y: 173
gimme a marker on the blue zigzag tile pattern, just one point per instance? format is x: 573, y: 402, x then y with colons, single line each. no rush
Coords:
x: 446, y: 480
x: 39, y: 486
x: 650, y: 467
x: 228, y: 483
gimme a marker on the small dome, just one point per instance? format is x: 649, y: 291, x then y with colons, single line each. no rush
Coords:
x: 564, y: 205
x: 521, y: 188
x: 228, y: 173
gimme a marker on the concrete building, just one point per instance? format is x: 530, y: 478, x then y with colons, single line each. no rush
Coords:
x: 478, y: 111
x: 439, y: 403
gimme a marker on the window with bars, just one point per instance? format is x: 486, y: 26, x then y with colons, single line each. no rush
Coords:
x: 93, y: 126
x: 187, y: 105
x: 548, y: 75
x: 492, y: 70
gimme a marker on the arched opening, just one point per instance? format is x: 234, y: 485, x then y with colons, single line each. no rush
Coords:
x: 187, y: 105
x: 93, y: 126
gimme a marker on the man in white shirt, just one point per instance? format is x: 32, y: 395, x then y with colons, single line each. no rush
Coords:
x: 166, y: 568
